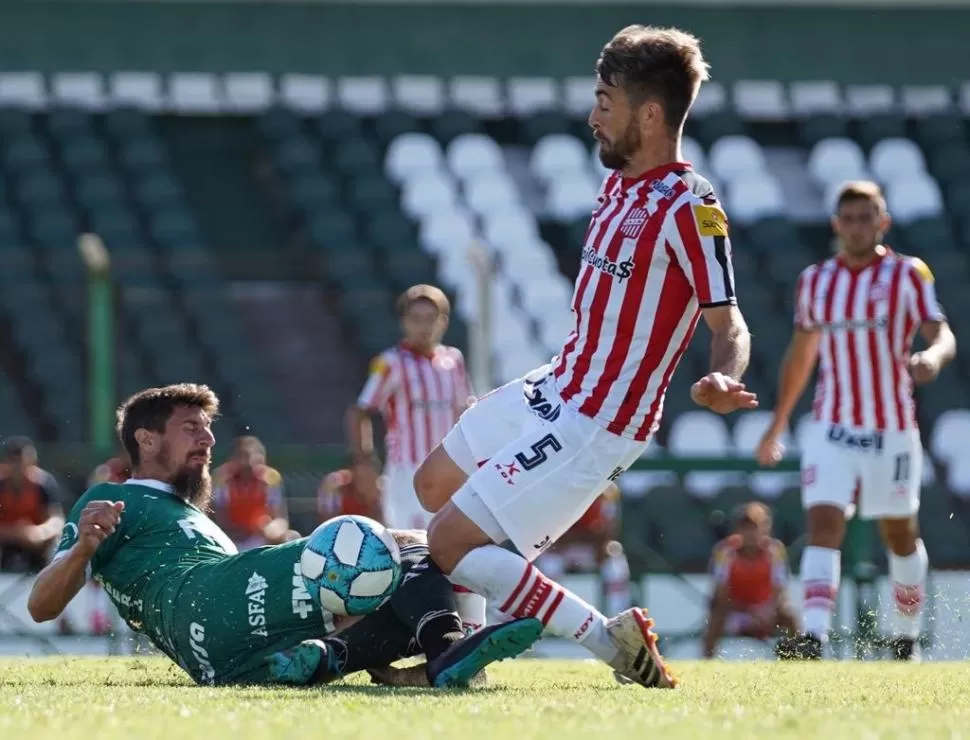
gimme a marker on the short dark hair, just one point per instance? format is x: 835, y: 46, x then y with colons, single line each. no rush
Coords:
x: 430, y: 293
x: 15, y: 447
x: 152, y: 408
x: 663, y: 64
x: 856, y: 190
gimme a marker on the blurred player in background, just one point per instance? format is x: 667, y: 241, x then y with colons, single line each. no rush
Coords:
x: 656, y: 259
x: 749, y: 570
x: 590, y: 546
x: 248, y: 500
x: 420, y: 388
x: 113, y: 470
x: 31, y: 516
x: 860, y: 312
x: 337, y: 495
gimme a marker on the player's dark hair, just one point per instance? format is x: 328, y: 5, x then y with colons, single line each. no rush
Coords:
x: 660, y: 64
x: 153, y: 407
x: 433, y: 295
x: 857, y: 190
x: 15, y: 447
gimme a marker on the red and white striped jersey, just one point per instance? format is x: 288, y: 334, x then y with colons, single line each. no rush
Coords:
x: 656, y: 252
x: 868, y: 318
x: 420, y: 397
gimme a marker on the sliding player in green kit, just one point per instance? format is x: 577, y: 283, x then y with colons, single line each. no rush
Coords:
x: 229, y: 618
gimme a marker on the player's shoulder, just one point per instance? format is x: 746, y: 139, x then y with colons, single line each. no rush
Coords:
x: 383, y: 363
x: 105, y: 491
x: 916, y: 267
x: 726, y: 548
x: 826, y: 265
x: 453, y: 353
x: 777, y: 549
x: 696, y: 196
x: 271, y: 476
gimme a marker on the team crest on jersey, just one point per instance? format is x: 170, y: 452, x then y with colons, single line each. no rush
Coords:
x: 634, y: 222
x: 711, y: 221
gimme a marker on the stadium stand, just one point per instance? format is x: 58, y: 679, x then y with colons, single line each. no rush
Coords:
x: 388, y: 182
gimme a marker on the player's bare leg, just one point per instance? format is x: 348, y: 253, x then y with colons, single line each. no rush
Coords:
x: 437, y: 479
x: 908, y: 565
x: 821, y: 572
x: 471, y: 557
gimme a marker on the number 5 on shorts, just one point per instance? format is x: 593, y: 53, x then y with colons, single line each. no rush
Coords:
x: 539, y: 454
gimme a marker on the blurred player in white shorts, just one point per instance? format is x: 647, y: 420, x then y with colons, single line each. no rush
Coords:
x: 859, y: 312
x: 525, y: 463
x: 420, y: 387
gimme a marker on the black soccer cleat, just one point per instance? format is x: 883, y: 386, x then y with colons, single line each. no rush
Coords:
x: 799, y: 647
x: 906, y: 649
x: 459, y: 664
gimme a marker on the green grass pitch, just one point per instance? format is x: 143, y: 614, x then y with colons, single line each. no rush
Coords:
x: 144, y: 698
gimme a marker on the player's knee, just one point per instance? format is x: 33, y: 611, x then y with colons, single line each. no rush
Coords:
x: 826, y: 526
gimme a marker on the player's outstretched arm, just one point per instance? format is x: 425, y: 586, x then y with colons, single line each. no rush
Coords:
x: 796, y: 370
x: 940, y: 350
x: 721, y: 390
x: 61, y: 581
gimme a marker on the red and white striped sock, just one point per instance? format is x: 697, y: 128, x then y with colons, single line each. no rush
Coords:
x: 471, y: 609
x: 520, y: 590
x: 821, y: 572
x: 908, y: 575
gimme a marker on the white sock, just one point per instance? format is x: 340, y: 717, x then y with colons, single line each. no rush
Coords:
x: 821, y: 572
x: 519, y: 590
x: 908, y: 575
x: 471, y: 609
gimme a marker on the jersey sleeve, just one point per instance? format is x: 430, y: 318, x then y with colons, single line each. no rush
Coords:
x: 463, y: 383
x: 803, y: 318
x: 381, y: 382
x: 925, y: 306
x: 698, y: 235
x: 69, y: 535
x: 274, y: 490
x: 720, y: 564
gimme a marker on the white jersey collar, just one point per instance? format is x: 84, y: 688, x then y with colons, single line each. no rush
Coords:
x: 158, y: 485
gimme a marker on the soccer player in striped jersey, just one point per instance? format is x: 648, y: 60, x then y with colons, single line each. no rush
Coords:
x: 858, y: 313
x: 525, y: 462
x: 420, y: 387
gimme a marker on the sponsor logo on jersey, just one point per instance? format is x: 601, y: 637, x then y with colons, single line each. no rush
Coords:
x: 839, y: 435
x: 855, y: 324
x: 197, y: 644
x: 256, y: 596
x: 711, y: 221
x: 539, y: 404
x: 620, y: 270
x: 663, y: 188
x: 302, y: 605
x: 922, y: 269
x: 119, y: 597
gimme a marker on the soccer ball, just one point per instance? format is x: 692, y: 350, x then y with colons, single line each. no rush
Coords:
x: 351, y: 565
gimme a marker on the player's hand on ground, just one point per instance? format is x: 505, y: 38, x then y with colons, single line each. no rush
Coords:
x: 923, y: 368
x: 98, y: 521
x: 722, y: 394
x: 770, y: 450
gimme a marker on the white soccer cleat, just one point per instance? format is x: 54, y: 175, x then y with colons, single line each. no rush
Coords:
x: 639, y: 660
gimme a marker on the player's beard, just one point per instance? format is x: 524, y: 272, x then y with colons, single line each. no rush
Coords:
x: 617, y: 155
x: 194, y: 484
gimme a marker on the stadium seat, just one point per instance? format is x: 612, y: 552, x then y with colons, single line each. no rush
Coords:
x: 195, y: 92
x: 510, y: 227
x: 248, y: 92
x: 365, y: 96
x: 555, y: 155
x: 373, y: 194
x: 297, y: 154
x: 445, y: 231
x: 428, y: 195
x: 480, y: 96
x: 700, y: 433
x: 572, y: 196
x: 312, y: 192
x: 836, y: 160
x: 948, y: 445
x: 893, y: 159
x: 732, y: 157
x: 913, y: 197
x: 490, y: 192
x: 422, y: 95
x: 754, y: 197
x: 680, y: 529
x: 469, y: 155
x: 25, y: 90
x: 411, y: 155
x: 950, y: 164
x: 761, y: 100
x: 747, y: 433
x: 528, y: 95
x: 305, y: 93
x: 694, y: 153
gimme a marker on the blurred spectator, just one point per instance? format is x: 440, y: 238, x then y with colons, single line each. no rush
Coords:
x: 31, y: 517
x: 338, y: 495
x: 749, y: 569
x: 590, y: 546
x: 248, y: 498
x: 114, y: 470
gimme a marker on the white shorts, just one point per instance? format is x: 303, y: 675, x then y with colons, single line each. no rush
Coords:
x: 400, y: 504
x: 535, y: 465
x: 885, y: 467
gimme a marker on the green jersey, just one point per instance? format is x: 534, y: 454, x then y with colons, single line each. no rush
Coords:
x: 176, y: 577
